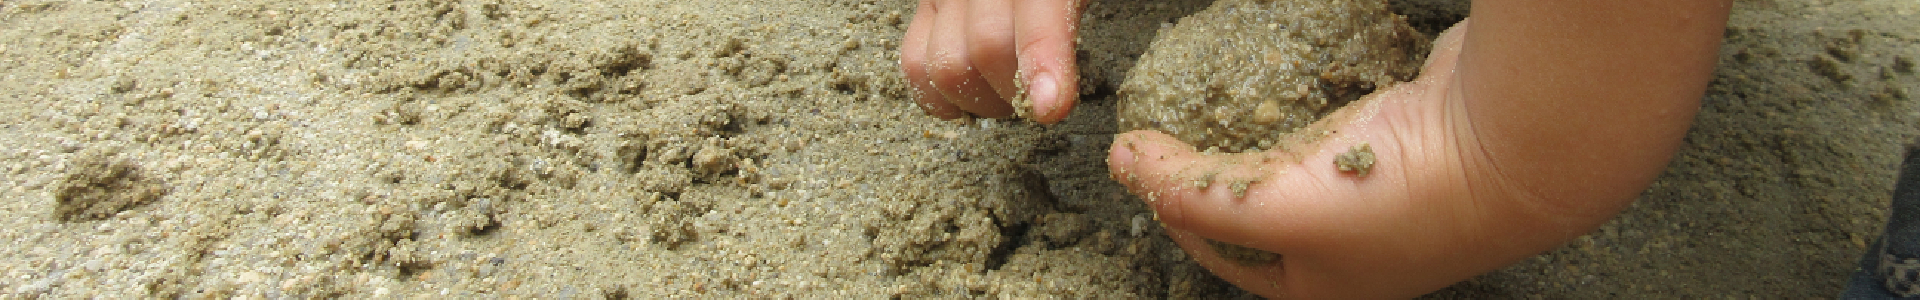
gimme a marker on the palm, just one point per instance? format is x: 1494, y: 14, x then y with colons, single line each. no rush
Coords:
x: 1409, y: 226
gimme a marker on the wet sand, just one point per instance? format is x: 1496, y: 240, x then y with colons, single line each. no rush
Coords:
x: 766, y: 148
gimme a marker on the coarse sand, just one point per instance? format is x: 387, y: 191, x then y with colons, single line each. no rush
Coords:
x: 766, y: 148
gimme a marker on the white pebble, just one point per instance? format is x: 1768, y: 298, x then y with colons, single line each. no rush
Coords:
x: 1139, y: 225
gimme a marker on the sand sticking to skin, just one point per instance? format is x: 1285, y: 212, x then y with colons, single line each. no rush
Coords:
x: 648, y: 149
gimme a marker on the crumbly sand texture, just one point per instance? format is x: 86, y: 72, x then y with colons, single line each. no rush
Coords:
x: 652, y: 149
x: 1243, y: 73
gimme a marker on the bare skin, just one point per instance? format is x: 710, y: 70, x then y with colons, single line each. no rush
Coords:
x: 976, y: 56
x: 1531, y: 124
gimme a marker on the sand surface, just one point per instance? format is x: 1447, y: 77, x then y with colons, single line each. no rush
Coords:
x: 644, y: 149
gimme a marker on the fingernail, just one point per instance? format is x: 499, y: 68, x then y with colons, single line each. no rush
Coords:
x: 1045, y: 94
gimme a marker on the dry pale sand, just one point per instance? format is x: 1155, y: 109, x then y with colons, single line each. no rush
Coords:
x: 763, y: 148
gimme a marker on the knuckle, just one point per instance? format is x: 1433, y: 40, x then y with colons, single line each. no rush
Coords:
x: 950, y: 73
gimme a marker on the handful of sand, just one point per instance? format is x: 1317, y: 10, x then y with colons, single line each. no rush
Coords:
x: 1243, y: 73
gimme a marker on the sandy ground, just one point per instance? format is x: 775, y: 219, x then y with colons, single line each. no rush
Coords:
x: 587, y: 149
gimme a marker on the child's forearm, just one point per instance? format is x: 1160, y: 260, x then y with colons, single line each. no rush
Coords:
x: 1583, y: 102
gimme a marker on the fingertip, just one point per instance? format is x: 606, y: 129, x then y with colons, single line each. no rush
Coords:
x: 935, y: 105
x: 951, y: 72
x: 1162, y: 170
x: 924, y: 93
x: 1053, y: 97
x: 1124, y: 156
x: 961, y: 86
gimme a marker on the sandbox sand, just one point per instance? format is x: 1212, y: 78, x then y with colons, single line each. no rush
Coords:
x: 765, y: 148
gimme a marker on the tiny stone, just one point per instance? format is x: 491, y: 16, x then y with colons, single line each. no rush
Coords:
x: 1358, y: 160
x: 1268, y: 112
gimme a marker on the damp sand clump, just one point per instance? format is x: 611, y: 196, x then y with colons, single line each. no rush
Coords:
x: 1242, y: 73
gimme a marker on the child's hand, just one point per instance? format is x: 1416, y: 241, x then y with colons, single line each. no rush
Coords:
x: 981, y: 56
x: 1496, y: 153
x: 1425, y: 215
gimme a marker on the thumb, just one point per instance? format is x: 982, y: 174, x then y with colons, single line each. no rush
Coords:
x: 1293, y: 197
x: 1269, y: 200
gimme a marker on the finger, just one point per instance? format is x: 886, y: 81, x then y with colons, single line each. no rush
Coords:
x: 913, y: 63
x: 1043, y: 35
x: 990, y: 41
x: 1261, y: 200
x: 1264, y: 279
x: 951, y: 67
x: 1446, y: 51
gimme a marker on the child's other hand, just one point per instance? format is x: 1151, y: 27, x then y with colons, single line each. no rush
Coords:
x: 1460, y: 187
x: 1425, y: 215
x: 976, y: 56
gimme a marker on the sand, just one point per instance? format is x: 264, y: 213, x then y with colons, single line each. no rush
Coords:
x: 650, y: 149
x: 1239, y: 75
